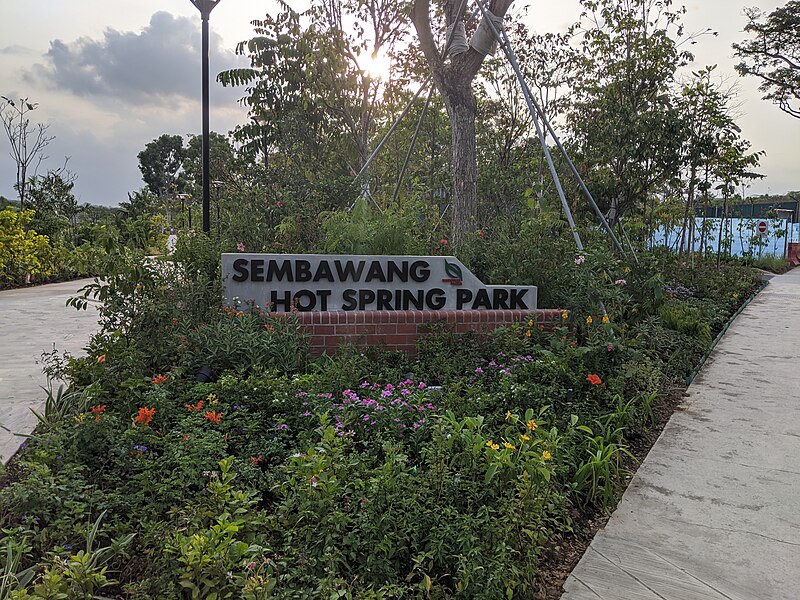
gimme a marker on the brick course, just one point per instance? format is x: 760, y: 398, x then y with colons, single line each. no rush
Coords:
x: 400, y: 330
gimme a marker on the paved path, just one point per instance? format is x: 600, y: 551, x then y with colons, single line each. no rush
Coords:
x: 714, y: 510
x: 32, y: 321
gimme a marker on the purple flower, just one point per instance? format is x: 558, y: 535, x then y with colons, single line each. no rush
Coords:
x: 140, y: 448
x: 67, y: 547
x: 579, y: 261
x: 237, y: 407
x: 478, y: 370
x: 283, y: 426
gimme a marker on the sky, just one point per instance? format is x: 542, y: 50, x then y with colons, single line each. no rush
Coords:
x: 110, y: 76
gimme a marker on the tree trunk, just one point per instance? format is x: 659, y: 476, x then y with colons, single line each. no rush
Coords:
x: 461, y: 109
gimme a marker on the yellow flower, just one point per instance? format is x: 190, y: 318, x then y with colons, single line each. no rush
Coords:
x: 508, y: 415
x: 531, y: 424
x: 525, y: 438
x: 605, y: 319
x: 509, y: 446
x: 528, y: 333
x: 212, y: 399
x: 589, y: 320
x: 627, y: 269
x: 546, y: 455
x: 530, y: 323
x: 565, y: 315
x: 492, y: 445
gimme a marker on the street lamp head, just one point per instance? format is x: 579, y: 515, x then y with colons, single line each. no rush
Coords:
x: 205, y: 6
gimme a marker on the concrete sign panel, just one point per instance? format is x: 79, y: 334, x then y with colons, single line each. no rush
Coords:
x: 323, y: 282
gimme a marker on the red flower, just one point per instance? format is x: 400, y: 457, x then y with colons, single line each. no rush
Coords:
x: 255, y: 459
x: 158, y: 379
x: 144, y: 416
x: 98, y: 410
x: 197, y: 407
x: 213, y: 416
x: 593, y: 379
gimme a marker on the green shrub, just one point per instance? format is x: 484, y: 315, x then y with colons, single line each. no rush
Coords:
x: 682, y: 317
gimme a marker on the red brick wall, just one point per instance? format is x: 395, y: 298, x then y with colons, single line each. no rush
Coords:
x: 794, y: 253
x: 400, y: 330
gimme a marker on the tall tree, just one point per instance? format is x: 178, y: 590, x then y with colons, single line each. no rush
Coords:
x: 27, y: 141
x: 454, y: 80
x: 161, y: 164
x: 310, y: 87
x: 625, y: 122
x: 773, y: 54
x: 51, y: 196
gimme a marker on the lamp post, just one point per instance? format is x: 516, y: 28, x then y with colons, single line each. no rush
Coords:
x: 205, y: 7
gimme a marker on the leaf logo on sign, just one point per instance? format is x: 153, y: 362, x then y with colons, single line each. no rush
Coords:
x: 453, y: 270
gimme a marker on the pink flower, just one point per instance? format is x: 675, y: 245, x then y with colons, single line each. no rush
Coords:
x: 609, y: 347
x: 279, y: 204
x: 240, y: 247
x: 443, y: 242
x: 620, y: 282
x: 579, y: 261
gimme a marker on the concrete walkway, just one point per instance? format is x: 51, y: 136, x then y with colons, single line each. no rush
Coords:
x: 714, y: 510
x: 34, y: 320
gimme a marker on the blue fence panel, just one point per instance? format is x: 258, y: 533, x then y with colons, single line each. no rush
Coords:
x: 741, y: 236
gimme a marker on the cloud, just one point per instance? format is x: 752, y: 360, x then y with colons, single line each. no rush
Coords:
x: 160, y: 64
x: 17, y: 50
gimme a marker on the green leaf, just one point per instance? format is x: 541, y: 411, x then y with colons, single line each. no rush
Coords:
x: 490, y: 473
x: 453, y: 270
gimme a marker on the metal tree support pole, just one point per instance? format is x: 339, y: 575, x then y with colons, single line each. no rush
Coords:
x: 628, y: 241
x: 391, y: 130
x: 411, y: 146
x: 534, y: 115
x: 534, y: 106
x: 504, y: 44
x: 408, y: 108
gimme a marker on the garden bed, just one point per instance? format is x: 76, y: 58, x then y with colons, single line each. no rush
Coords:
x: 468, y: 471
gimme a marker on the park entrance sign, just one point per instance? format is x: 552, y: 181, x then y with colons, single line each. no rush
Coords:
x: 321, y: 282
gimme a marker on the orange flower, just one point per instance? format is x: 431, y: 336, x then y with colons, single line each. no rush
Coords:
x: 101, y: 359
x: 213, y: 416
x: 144, y: 416
x: 197, y: 407
x: 158, y: 379
x: 593, y: 379
x: 98, y: 410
